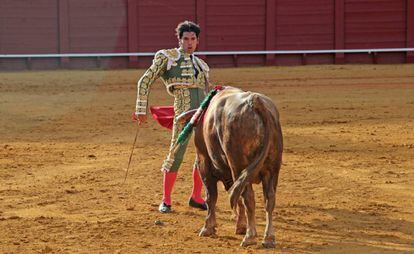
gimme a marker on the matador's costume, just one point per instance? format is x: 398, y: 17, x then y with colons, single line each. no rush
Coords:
x: 186, y: 78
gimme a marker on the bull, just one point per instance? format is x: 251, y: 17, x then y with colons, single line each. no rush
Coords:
x: 240, y: 142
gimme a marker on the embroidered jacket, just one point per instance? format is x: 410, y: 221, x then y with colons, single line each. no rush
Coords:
x: 177, y: 69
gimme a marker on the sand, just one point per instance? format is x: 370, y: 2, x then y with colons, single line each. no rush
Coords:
x: 346, y: 184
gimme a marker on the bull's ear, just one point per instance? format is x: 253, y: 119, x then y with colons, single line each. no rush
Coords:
x: 186, y: 116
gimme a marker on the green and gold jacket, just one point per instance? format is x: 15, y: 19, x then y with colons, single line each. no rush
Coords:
x: 177, y: 69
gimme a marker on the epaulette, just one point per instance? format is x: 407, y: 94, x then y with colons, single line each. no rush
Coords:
x: 172, y: 54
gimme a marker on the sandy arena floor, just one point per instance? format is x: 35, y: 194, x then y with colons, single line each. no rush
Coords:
x: 346, y: 185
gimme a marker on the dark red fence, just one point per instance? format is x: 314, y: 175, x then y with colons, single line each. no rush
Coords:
x: 119, y: 26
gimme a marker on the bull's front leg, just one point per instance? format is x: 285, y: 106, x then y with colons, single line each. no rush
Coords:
x: 250, y: 204
x: 209, y: 227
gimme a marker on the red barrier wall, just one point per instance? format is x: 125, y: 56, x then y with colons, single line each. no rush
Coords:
x: 375, y: 24
x: 94, y: 26
x: 26, y: 27
x: 300, y: 25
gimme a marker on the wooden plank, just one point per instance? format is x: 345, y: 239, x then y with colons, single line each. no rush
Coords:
x: 163, y: 19
x: 372, y: 23
x: 201, y: 21
x: 223, y: 4
x: 339, y: 30
x: 29, y: 28
x: 270, y: 30
x: 303, y: 26
x: 410, y: 30
x: 239, y: 29
x: 100, y: 24
x: 132, y: 30
x: 63, y: 17
x: 2, y: 32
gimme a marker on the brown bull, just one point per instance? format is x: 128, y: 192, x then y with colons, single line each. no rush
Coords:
x: 240, y: 143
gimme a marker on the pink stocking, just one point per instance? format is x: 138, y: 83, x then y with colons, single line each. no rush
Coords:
x: 197, y: 187
x: 169, y: 180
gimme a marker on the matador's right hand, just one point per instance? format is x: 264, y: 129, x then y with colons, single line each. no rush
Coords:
x: 140, y: 118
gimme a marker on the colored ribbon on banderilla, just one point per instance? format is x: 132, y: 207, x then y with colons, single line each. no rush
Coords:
x: 184, y: 134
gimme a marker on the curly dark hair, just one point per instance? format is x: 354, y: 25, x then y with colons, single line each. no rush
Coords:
x: 187, y: 26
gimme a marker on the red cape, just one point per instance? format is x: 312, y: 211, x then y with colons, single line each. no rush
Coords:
x: 164, y: 115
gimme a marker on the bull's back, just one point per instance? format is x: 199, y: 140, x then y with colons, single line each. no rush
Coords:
x: 233, y: 125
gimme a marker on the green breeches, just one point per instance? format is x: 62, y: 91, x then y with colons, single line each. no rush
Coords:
x: 184, y: 100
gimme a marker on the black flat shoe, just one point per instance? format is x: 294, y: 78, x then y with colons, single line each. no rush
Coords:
x: 194, y: 204
x: 164, y: 208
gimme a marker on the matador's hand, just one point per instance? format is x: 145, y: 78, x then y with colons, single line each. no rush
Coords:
x: 140, y: 118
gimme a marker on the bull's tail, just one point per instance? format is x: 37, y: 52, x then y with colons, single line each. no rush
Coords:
x: 245, y: 177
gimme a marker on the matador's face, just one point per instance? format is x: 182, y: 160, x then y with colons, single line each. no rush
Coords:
x: 189, y: 42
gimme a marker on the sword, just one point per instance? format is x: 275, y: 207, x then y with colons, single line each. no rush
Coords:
x: 132, y: 151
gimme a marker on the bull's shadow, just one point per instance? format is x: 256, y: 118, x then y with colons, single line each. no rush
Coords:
x: 335, y: 230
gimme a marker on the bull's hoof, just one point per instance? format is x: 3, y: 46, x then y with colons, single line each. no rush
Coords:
x: 269, y: 242
x: 248, y: 241
x: 207, y: 231
x: 241, y: 230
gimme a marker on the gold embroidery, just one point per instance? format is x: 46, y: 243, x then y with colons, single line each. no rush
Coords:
x: 178, y: 80
x: 157, y: 68
x: 185, y: 65
x: 173, y: 54
x: 203, y: 65
x: 187, y: 71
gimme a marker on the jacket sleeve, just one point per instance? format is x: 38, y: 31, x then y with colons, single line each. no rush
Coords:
x: 158, y: 67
